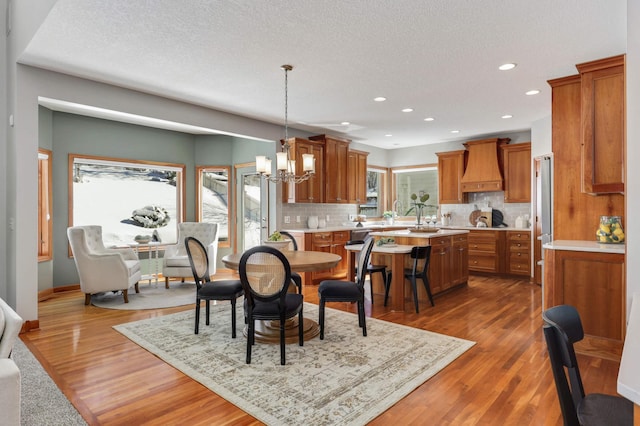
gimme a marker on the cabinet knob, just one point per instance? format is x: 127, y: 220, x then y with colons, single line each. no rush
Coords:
x: 519, y: 245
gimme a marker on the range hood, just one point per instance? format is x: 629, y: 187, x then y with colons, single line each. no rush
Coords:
x: 483, y: 172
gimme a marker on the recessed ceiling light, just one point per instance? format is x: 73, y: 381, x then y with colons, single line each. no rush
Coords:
x: 429, y: 119
x: 532, y: 92
x: 388, y: 135
x: 455, y: 131
x: 407, y: 110
x: 380, y: 99
x: 507, y: 67
x: 507, y: 116
x: 345, y: 123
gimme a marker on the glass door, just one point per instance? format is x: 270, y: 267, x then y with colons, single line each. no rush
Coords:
x: 253, y: 214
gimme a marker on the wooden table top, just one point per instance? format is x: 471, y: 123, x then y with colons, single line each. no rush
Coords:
x: 300, y: 261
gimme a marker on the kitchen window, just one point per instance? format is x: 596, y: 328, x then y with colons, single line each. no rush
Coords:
x: 212, y: 199
x: 415, y: 180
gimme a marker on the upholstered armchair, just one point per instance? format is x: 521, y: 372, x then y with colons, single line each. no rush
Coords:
x: 10, y: 324
x: 176, y: 262
x: 102, y: 269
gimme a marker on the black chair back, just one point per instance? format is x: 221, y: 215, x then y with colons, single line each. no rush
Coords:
x: 198, y: 260
x: 294, y: 243
x: 418, y: 254
x: 265, y: 274
x: 562, y: 329
x: 363, y: 262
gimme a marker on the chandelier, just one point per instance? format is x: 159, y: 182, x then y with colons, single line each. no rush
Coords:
x: 285, y: 165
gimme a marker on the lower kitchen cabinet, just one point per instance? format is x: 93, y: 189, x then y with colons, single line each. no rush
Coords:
x: 329, y: 242
x: 486, y: 251
x: 594, y: 283
x: 459, y: 259
x: 440, y: 264
x: 518, y: 253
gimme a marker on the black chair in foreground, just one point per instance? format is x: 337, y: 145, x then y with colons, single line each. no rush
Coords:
x: 372, y: 269
x: 206, y: 289
x: 562, y: 329
x: 294, y: 275
x: 418, y: 254
x: 347, y: 291
x: 265, y: 274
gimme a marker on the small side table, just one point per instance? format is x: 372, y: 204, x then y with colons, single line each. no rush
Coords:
x: 153, y: 248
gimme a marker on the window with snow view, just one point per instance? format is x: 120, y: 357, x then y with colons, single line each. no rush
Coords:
x: 133, y: 201
x: 212, y: 199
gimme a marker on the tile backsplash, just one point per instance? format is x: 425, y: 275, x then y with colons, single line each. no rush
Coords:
x: 339, y: 213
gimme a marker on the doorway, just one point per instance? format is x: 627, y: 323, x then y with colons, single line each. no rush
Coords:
x: 253, y: 217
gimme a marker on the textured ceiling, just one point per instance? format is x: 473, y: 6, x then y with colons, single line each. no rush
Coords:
x: 439, y: 57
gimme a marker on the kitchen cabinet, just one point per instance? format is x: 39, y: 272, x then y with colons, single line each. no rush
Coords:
x: 593, y: 282
x: 459, y: 259
x: 335, y: 167
x: 357, y: 177
x: 329, y: 242
x: 450, y: 172
x: 517, y: 172
x: 486, y: 251
x: 519, y: 252
x: 311, y: 190
x: 483, y: 170
x: 602, y: 86
x: 440, y: 264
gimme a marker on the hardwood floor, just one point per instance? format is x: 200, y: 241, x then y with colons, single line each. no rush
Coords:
x: 504, y: 379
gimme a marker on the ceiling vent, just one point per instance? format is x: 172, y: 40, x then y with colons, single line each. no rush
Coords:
x: 483, y: 172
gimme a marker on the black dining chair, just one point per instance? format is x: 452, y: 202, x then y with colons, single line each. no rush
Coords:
x: 372, y: 269
x: 206, y: 289
x: 421, y: 255
x: 347, y: 291
x: 562, y: 328
x: 296, y: 277
x: 265, y: 274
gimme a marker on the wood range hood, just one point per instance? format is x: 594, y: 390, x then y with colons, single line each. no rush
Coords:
x: 483, y: 172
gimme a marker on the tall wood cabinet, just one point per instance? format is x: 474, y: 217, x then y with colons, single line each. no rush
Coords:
x: 602, y: 89
x: 516, y: 160
x: 357, y: 177
x: 336, y: 153
x: 450, y: 172
x: 312, y: 190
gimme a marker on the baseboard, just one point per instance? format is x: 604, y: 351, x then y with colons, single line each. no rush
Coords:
x: 30, y: 325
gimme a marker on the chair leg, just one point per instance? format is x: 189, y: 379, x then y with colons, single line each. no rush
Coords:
x: 427, y: 286
x: 387, y: 287
x: 362, y: 318
x: 282, y: 345
x: 250, y: 339
x: 300, y: 329
x: 166, y: 282
x: 197, y: 316
x: 87, y: 298
x: 414, y: 287
x: 137, y: 288
x: 321, y: 318
x: 207, y: 309
x: 125, y: 294
x: 233, y: 318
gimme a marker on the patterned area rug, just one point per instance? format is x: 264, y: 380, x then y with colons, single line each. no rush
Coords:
x: 346, y: 379
x: 151, y: 296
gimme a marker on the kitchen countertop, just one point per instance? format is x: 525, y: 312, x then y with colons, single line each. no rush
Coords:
x: 407, y: 233
x: 583, y: 245
x: 400, y: 226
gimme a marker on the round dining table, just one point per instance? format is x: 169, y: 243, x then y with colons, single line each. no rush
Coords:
x: 300, y: 261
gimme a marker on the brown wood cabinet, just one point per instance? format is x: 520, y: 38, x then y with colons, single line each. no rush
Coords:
x: 450, y: 171
x: 603, y: 125
x: 312, y: 190
x: 459, y: 259
x: 519, y: 252
x: 595, y: 284
x: 335, y: 159
x: 486, y: 251
x: 440, y: 264
x: 517, y: 172
x: 329, y: 242
x: 357, y: 177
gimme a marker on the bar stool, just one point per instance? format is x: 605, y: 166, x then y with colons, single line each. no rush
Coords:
x: 372, y: 269
x: 417, y: 254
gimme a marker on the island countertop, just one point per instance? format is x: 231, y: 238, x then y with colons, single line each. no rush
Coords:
x: 416, y: 234
x: 582, y: 245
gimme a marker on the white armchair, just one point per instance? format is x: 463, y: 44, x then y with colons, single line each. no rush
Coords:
x: 10, y: 325
x: 101, y: 269
x: 176, y: 262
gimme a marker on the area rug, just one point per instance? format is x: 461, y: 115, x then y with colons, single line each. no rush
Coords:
x: 151, y: 296
x: 344, y: 379
x: 42, y: 402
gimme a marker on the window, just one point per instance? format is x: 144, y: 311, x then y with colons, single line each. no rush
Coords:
x: 128, y: 198
x: 376, y: 185
x: 415, y: 180
x: 212, y: 199
x: 45, y: 229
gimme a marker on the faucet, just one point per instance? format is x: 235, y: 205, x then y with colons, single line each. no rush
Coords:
x: 395, y: 209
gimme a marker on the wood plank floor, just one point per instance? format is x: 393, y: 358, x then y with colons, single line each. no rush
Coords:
x: 505, y: 379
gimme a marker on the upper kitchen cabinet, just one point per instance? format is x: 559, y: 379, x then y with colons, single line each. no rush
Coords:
x: 335, y: 160
x: 357, y: 177
x: 311, y: 190
x: 483, y: 172
x: 602, y: 88
x: 450, y: 172
x: 517, y: 172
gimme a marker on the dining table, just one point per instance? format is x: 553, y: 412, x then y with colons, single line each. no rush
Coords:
x: 300, y: 261
x: 397, y: 253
